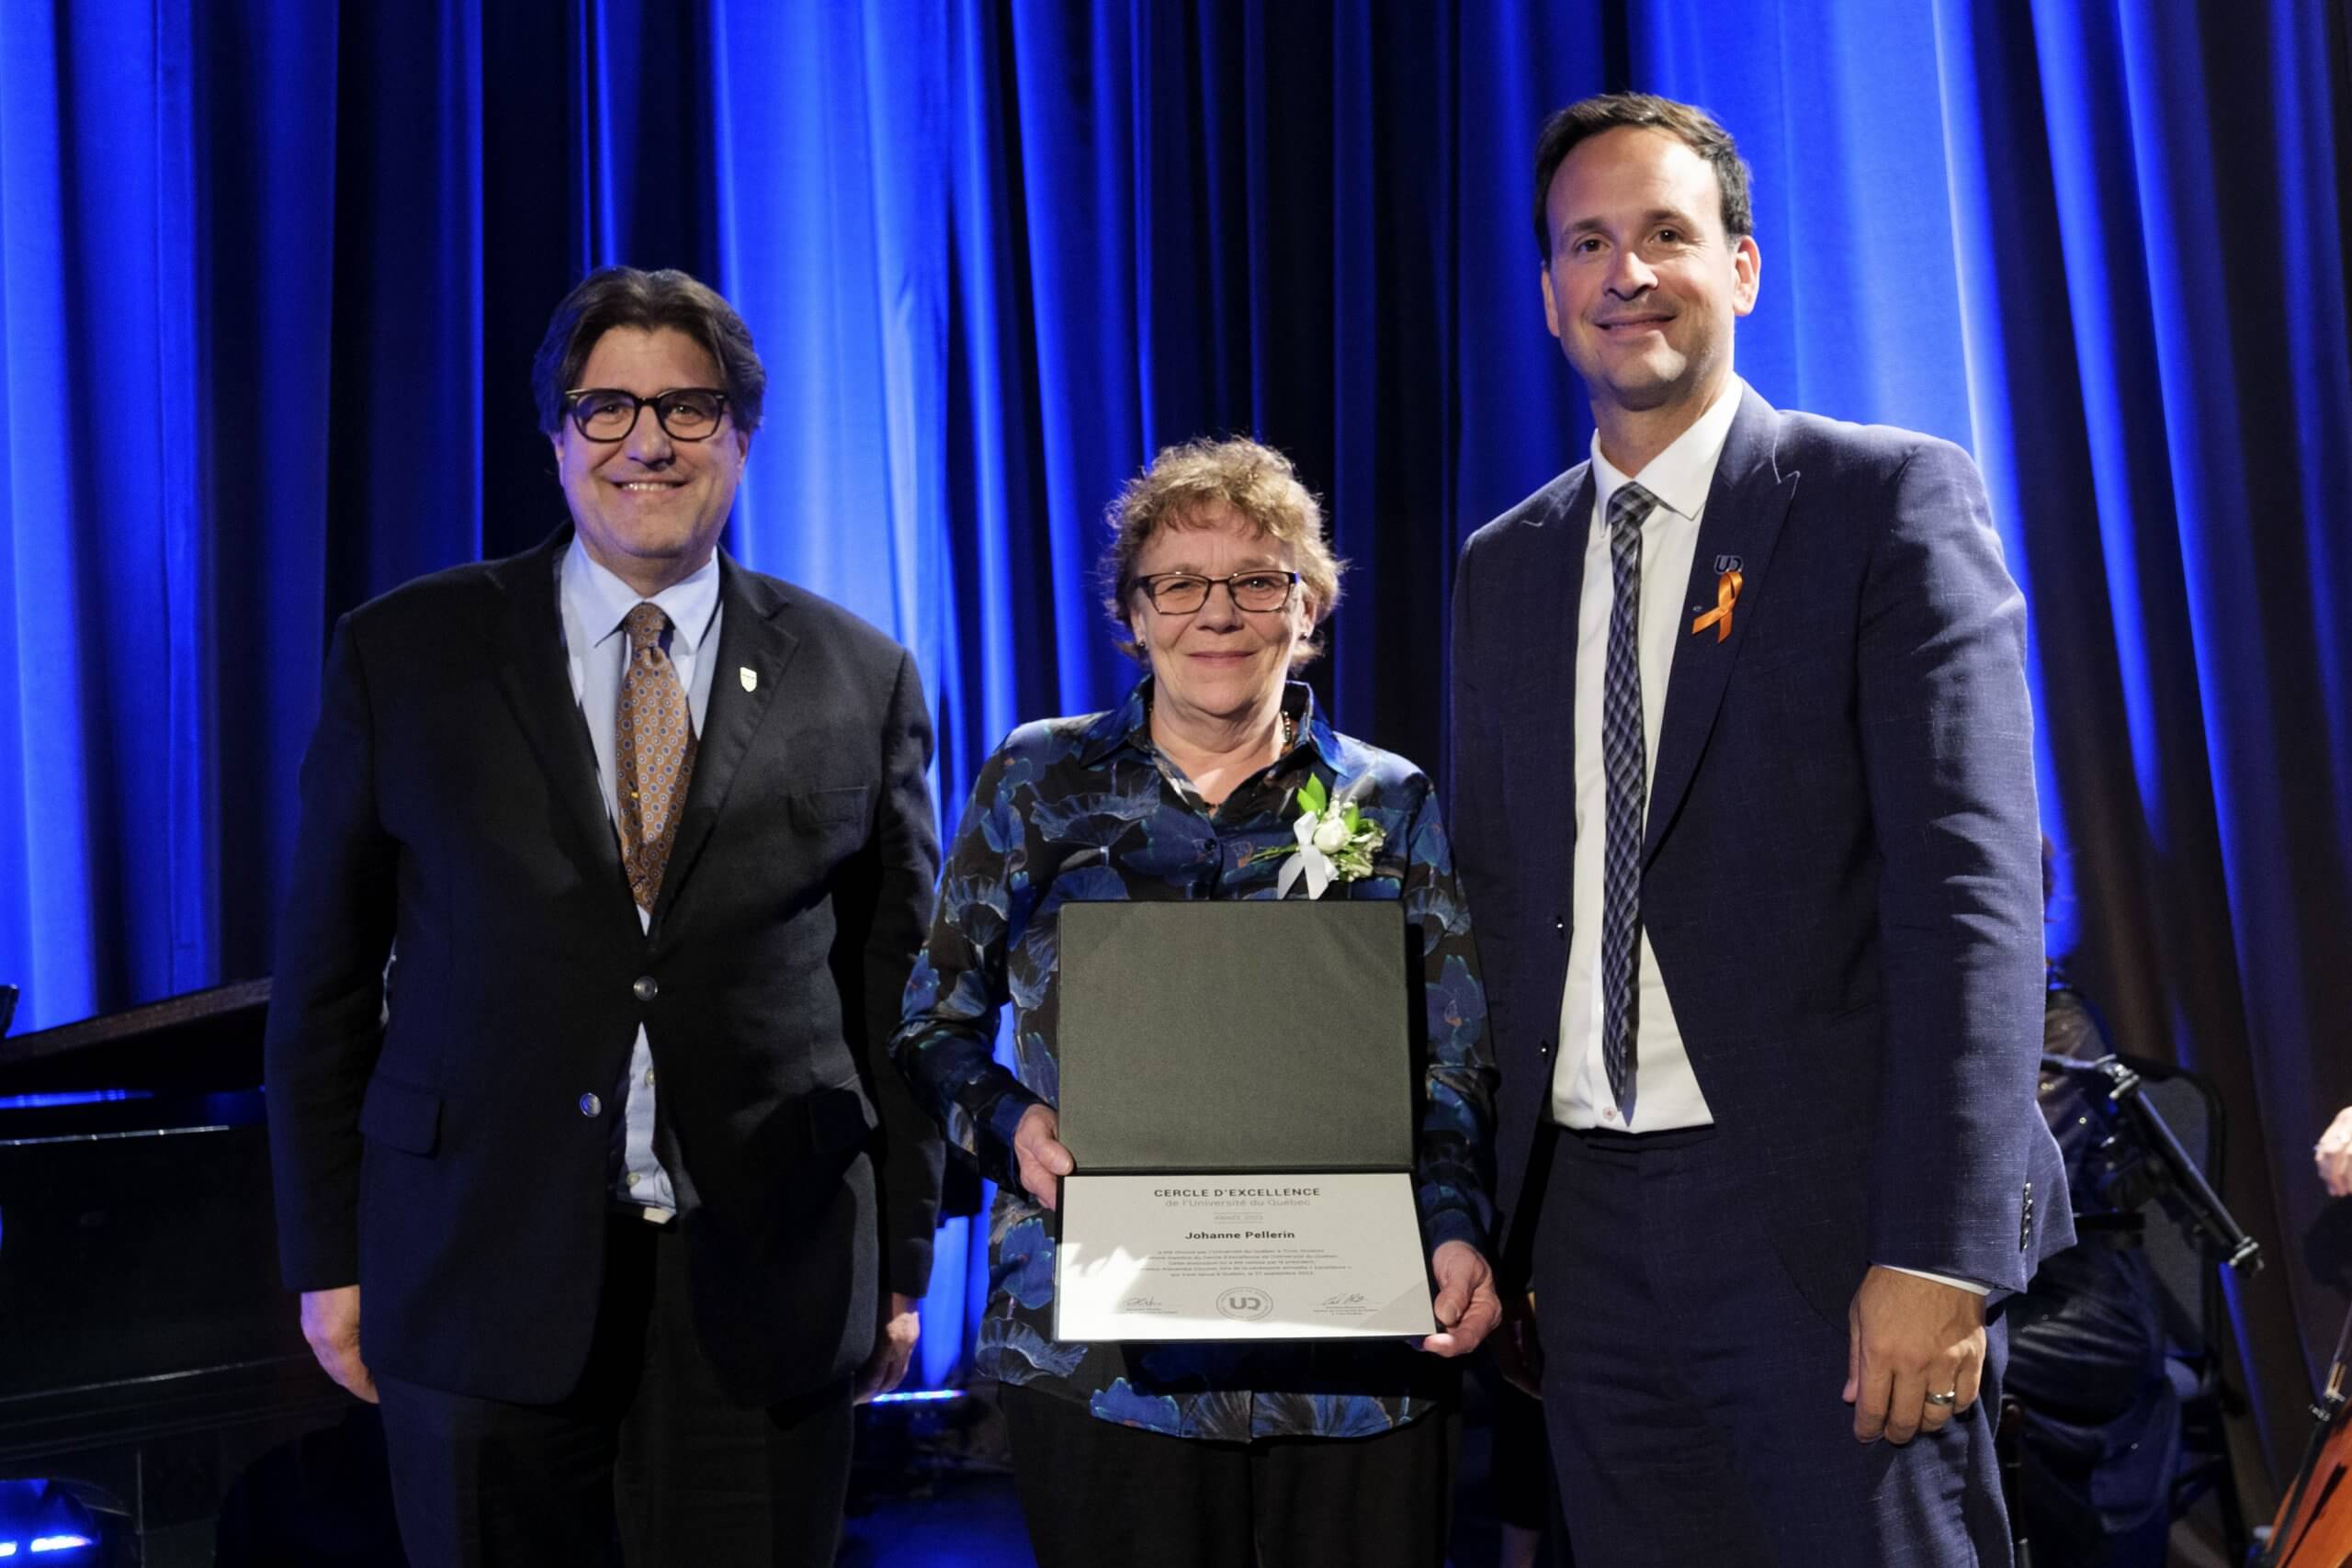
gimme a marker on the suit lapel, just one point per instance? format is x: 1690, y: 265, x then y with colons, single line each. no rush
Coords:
x: 752, y: 638
x: 1546, y: 718
x: 527, y: 648
x: 1745, y: 506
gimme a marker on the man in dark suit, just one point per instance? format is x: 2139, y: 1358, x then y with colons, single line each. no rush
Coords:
x: 614, y: 861
x: 1744, y: 799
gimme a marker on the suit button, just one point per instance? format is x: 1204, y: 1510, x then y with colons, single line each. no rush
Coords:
x: 1544, y: 1049
x: 591, y: 1106
x: 646, y: 988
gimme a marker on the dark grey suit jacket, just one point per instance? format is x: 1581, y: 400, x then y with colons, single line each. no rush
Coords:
x: 439, y: 1151
x: 1842, y: 867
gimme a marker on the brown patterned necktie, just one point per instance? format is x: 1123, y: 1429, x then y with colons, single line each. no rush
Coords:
x: 655, y: 756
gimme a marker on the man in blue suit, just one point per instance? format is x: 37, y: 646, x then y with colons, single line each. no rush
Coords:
x: 1744, y: 798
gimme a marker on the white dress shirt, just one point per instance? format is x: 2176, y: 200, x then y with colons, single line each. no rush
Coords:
x: 594, y: 604
x: 1668, y: 1093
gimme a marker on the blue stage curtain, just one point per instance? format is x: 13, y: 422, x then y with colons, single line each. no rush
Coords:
x: 164, y: 382
x: 270, y: 275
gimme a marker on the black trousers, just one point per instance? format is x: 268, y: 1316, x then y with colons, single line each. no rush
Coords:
x: 1097, y: 1494
x: 648, y: 1463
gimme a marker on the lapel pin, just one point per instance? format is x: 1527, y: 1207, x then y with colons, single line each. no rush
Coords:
x: 750, y: 677
x: 1727, y: 595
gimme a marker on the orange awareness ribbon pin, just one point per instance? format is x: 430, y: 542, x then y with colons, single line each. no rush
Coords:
x: 1727, y: 595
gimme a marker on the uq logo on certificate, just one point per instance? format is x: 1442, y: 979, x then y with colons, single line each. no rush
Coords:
x: 1245, y: 1303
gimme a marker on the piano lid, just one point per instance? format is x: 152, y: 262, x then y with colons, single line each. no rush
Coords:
x: 203, y: 1040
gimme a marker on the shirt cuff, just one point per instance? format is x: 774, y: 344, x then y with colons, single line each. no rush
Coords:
x: 1971, y: 1286
x: 1449, y: 1224
x: 1004, y: 1119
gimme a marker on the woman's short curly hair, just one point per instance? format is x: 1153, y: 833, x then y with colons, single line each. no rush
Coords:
x: 1184, y: 482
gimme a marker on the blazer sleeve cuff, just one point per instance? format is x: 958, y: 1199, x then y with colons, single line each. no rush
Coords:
x: 909, y: 1269
x: 326, y: 1267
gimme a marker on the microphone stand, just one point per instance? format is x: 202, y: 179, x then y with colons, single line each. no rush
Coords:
x: 2222, y: 1234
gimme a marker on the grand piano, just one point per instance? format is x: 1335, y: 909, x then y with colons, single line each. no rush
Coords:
x: 148, y: 1354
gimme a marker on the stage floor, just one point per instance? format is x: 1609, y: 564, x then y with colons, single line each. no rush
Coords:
x: 971, y: 1521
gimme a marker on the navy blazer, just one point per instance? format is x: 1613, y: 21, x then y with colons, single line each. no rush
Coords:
x: 433, y: 1135
x: 1840, y: 875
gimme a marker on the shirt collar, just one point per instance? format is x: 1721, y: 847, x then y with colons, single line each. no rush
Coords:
x: 1129, y: 721
x: 601, y: 601
x: 1681, y: 475
x: 1130, y: 724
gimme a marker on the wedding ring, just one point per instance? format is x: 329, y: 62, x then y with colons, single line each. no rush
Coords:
x: 1952, y: 1398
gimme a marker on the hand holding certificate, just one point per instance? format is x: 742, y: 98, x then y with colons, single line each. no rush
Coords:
x: 1039, y: 1154
x: 1469, y: 1304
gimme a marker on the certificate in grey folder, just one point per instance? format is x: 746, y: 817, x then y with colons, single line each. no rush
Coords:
x: 1237, y: 1092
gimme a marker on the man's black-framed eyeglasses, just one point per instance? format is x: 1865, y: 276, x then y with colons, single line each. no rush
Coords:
x: 608, y: 413
x: 1182, y: 592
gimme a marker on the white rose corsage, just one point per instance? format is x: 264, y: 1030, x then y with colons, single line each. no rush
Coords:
x: 1334, y: 844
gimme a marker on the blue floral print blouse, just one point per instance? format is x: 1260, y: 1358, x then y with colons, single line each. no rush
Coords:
x: 1094, y: 795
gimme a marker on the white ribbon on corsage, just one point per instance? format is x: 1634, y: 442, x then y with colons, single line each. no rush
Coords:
x: 1334, y: 842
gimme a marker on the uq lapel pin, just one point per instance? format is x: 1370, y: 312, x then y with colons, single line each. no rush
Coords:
x: 750, y: 677
x: 1727, y: 582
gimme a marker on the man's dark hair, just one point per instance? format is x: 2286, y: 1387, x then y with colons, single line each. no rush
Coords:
x: 1686, y: 123
x: 625, y: 296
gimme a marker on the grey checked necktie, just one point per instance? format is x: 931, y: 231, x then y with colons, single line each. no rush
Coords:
x: 1625, y: 756
x: 655, y: 754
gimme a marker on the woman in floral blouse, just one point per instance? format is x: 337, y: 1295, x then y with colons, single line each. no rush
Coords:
x: 1196, y: 1453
